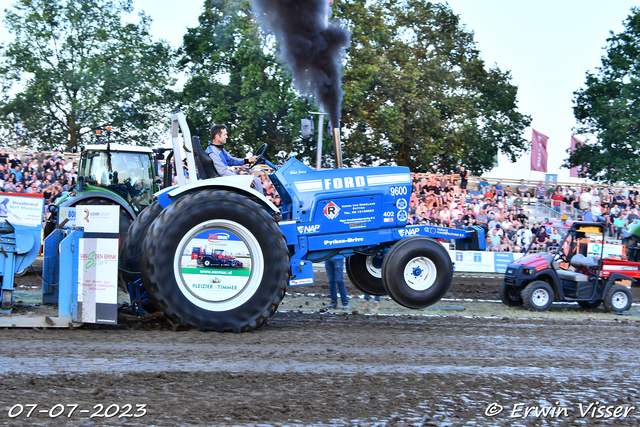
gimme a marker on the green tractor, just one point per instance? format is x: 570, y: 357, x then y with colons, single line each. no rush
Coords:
x: 110, y: 174
x: 631, y: 239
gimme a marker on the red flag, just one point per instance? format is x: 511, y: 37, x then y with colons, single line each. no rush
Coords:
x: 539, y: 152
x: 573, y: 172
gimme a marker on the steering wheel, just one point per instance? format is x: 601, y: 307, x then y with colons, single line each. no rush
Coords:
x: 561, y: 257
x: 260, y: 155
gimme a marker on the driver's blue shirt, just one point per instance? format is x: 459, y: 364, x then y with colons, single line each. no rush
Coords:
x: 222, y: 160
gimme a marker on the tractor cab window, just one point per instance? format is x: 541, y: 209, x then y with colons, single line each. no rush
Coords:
x: 128, y: 174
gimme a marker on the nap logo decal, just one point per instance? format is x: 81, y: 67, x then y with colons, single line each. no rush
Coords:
x: 302, y: 229
x: 408, y: 232
x: 331, y: 210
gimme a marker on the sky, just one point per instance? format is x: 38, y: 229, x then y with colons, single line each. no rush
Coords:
x: 548, y: 46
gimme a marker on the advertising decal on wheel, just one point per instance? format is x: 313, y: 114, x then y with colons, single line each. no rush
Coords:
x: 215, y: 265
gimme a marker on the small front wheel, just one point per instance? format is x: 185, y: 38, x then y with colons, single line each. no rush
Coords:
x: 510, y: 295
x: 619, y: 299
x: 538, y: 296
x: 417, y: 272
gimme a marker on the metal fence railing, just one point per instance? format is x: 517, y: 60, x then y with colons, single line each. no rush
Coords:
x: 550, y: 211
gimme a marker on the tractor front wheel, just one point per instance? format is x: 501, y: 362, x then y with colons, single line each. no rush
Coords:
x: 417, y: 272
x: 219, y: 298
x: 365, y: 272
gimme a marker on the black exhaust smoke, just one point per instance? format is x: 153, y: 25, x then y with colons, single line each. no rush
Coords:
x: 310, y: 47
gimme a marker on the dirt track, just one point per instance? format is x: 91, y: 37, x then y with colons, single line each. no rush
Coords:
x: 329, y: 369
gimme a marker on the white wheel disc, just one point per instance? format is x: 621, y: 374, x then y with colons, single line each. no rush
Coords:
x: 372, y: 269
x: 220, y: 287
x: 619, y: 300
x: 540, y: 297
x: 420, y: 273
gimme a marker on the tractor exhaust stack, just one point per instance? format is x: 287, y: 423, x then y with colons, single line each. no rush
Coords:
x: 337, y: 147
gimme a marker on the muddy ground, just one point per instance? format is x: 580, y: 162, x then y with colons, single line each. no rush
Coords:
x: 330, y: 369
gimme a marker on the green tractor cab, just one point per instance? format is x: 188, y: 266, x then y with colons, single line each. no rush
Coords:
x: 111, y: 174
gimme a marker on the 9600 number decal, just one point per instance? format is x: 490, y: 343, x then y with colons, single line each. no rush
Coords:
x: 398, y: 191
x: 98, y: 411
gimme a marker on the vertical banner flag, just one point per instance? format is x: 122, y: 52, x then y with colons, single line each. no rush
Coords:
x: 538, y: 151
x: 573, y: 172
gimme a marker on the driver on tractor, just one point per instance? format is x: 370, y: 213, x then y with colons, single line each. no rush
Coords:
x: 222, y: 160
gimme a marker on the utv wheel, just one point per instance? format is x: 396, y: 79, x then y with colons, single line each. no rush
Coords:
x: 589, y: 304
x: 219, y: 298
x: 417, y: 272
x: 510, y: 295
x: 619, y: 299
x: 131, y: 246
x: 538, y: 296
x: 365, y: 272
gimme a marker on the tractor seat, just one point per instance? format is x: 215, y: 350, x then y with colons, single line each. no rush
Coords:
x: 572, y: 276
x: 581, y: 261
x: 203, y: 161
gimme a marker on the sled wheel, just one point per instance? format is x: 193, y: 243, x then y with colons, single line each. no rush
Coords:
x: 365, y: 272
x: 206, y: 262
x: 417, y: 272
x: 219, y: 298
x: 510, y: 295
x: 589, y: 304
x: 131, y: 245
x: 619, y: 299
x: 538, y: 296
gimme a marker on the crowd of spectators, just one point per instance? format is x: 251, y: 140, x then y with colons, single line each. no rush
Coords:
x: 499, y: 210
x: 39, y: 173
x: 438, y: 201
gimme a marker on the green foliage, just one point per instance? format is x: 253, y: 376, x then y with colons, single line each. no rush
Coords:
x: 417, y: 93
x: 608, y: 107
x: 74, y: 67
x: 235, y: 78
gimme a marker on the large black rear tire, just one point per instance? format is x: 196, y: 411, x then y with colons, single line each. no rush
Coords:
x: 417, y: 272
x: 131, y: 245
x: 218, y: 298
x: 365, y: 272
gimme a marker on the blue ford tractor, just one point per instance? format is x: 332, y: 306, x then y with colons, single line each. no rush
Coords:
x: 360, y: 213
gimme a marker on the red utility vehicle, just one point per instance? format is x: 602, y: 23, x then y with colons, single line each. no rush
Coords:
x: 215, y: 258
x: 537, y: 280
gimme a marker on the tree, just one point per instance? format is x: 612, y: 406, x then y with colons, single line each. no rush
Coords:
x: 235, y: 78
x: 417, y: 93
x: 608, y: 109
x: 74, y: 67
